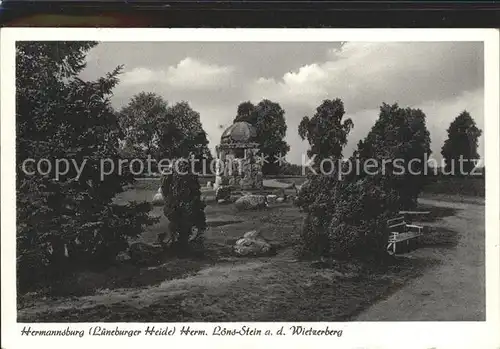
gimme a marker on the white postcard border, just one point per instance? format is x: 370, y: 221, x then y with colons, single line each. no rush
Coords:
x: 355, y: 334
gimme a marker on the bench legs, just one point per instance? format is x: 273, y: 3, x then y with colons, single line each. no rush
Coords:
x: 404, y: 246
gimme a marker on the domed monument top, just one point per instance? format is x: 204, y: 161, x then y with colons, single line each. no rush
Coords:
x: 238, y: 141
x: 239, y: 132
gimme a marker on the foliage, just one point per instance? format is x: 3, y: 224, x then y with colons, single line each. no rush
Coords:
x: 246, y: 112
x: 463, y: 135
x: 400, y: 143
x: 269, y: 120
x: 139, y: 120
x: 67, y: 222
x: 289, y: 169
x: 472, y: 186
x: 184, y: 209
x: 223, y: 193
x: 347, y: 218
x: 325, y: 131
x: 182, y: 136
x: 154, y: 128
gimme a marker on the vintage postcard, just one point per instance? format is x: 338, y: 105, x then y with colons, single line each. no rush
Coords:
x: 250, y: 187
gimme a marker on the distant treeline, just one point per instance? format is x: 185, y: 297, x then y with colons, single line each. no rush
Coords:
x: 454, y: 185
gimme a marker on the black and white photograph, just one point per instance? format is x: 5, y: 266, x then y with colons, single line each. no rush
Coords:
x: 252, y: 181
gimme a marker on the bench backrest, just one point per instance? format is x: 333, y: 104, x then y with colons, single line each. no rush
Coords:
x: 411, y: 216
x: 423, y: 213
x: 396, y: 224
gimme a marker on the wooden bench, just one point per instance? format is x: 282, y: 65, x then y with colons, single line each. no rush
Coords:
x: 403, y: 236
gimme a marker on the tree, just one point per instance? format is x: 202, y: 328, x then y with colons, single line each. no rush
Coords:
x: 399, y: 142
x: 268, y: 118
x: 139, y: 121
x: 153, y: 128
x: 182, y: 136
x: 327, y: 136
x: 463, y: 136
x: 325, y: 132
x: 246, y: 112
x: 67, y: 221
x: 182, y: 132
x: 289, y: 169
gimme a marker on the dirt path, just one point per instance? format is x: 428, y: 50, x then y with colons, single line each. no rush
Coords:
x: 452, y: 291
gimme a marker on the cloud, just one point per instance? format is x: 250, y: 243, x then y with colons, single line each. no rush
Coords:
x: 364, y: 75
x: 189, y: 74
x: 441, y: 78
x: 253, y: 59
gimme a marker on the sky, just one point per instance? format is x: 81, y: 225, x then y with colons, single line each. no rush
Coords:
x: 441, y: 78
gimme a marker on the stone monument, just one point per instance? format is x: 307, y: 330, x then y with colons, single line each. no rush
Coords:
x: 238, y: 165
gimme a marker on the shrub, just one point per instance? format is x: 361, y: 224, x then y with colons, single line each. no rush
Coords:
x: 345, y: 219
x: 222, y: 193
x: 185, y: 210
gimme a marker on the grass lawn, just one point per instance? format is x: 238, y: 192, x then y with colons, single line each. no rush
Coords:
x: 222, y: 287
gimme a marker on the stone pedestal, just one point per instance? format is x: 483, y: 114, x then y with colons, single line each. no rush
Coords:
x: 238, y: 167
